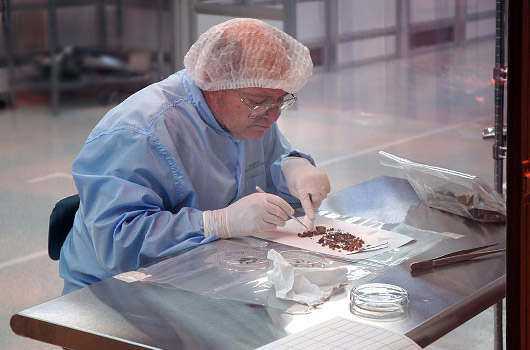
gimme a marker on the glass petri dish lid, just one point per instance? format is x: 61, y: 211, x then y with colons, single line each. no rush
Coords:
x: 243, y: 260
x: 379, y: 301
x: 300, y: 258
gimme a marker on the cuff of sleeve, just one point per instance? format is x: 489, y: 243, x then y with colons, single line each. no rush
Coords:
x: 291, y: 160
x: 210, y: 227
x: 296, y: 153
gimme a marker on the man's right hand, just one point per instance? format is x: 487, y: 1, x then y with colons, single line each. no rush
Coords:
x: 258, y: 212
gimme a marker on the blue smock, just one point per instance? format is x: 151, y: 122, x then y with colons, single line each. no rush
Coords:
x: 149, y: 169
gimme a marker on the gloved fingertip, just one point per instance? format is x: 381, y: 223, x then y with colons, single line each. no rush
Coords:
x: 309, y: 213
x: 307, y: 205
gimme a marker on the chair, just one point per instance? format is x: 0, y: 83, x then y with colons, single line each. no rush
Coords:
x: 61, y: 221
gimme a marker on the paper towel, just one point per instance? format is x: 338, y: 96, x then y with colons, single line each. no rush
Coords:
x: 307, y: 285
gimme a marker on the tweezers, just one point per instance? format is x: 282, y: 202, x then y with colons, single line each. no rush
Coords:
x: 460, y: 255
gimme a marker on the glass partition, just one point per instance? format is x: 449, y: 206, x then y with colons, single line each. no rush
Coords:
x: 412, y: 78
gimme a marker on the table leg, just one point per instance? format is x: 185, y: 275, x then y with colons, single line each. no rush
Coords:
x: 497, y: 326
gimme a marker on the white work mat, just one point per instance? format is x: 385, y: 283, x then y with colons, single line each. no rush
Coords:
x: 340, y: 333
x: 288, y: 235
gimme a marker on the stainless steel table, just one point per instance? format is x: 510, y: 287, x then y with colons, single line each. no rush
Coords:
x: 114, y: 314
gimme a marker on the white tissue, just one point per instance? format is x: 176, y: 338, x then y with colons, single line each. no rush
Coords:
x: 307, y: 285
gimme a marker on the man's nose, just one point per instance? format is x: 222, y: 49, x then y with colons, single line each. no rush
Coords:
x: 272, y: 114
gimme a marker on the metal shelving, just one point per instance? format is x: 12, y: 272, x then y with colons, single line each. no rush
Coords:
x: 54, y: 83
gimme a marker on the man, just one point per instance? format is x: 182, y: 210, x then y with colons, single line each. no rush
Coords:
x: 176, y: 164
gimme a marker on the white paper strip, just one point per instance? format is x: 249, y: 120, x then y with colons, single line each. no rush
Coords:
x: 288, y: 235
x: 131, y: 276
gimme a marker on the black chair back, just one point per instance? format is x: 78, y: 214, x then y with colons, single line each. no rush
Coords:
x: 61, y: 221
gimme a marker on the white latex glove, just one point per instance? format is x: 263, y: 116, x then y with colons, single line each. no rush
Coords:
x: 254, y: 213
x: 305, y: 182
x: 310, y: 224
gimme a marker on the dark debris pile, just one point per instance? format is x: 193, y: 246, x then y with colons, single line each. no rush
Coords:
x: 336, y: 239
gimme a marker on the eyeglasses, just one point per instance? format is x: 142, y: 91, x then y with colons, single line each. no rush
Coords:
x: 262, y: 110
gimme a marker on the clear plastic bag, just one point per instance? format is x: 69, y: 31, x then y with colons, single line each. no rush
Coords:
x: 213, y: 269
x: 423, y: 240
x: 236, y: 269
x: 451, y: 191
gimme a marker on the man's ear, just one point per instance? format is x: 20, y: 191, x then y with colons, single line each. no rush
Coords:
x: 213, y: 99
x: 211, y: 95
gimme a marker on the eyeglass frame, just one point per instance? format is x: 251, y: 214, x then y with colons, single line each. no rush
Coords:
x: 279, y: 105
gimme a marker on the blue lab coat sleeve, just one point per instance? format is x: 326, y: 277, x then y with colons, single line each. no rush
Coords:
x: 130, y: 212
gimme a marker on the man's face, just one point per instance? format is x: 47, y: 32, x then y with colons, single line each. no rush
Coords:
x: 232, y: 114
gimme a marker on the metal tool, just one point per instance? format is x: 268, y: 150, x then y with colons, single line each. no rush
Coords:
x: 369, y: 248
x: 460, y: 255
x: 291, y: 216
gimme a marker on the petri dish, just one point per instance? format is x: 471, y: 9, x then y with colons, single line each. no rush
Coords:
x: 300, y: 258
x: 243, y: 260
x: 379, y: 301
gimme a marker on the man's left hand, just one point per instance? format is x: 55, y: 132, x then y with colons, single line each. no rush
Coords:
x: 305, y: 182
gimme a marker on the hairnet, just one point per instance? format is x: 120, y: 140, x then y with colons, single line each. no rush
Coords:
x: 242, y: 53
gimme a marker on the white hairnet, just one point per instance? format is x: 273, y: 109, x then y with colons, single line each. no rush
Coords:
x: 242, y: 53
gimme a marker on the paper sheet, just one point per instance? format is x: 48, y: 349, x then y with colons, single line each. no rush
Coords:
x: 340, y: 333
x: 288, y: 235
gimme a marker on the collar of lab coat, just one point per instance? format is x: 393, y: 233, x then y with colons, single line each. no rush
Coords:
x: 197, y: 99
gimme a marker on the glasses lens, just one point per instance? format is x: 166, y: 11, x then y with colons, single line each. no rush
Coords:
x: 286, y: 104
x: 262, y: 110
x: 259, y: 111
